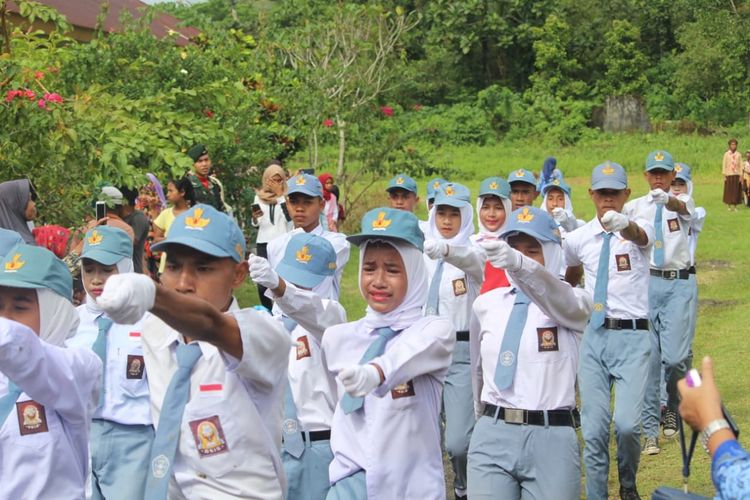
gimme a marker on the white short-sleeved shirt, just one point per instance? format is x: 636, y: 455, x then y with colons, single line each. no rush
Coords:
x: 328, y: 289
x: 44, y: 440
x: 395, y: 437
x: 675, y: 228
x: 240, y: 399
x: 126, y: 398
x: 627, y: 287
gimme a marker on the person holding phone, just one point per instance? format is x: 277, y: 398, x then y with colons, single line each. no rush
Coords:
x: 270, y: 215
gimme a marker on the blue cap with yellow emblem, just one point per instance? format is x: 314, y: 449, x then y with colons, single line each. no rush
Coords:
x: 495, y: 186
x: 609, y: 175
x: 660, y: 160
x: 106, y: 245
x: 305, y: 184
x: 308, y: 260
x: 207, y: 230
x: 453, y: 194
x: 27, y: 266
x: 390, y: 224
x: 402, y: 181
x: 682, y: 171
x: 533, y: 221
x: 557, y: 184
x: 8, y: 239
x: 522, y: 175
x: 433, y: 186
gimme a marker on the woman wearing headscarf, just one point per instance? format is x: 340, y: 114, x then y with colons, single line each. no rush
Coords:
x: 557, y: 203
x: 331, y: 208
x: 18, y: 207
x: 493, y: 208
x: 270, y: 215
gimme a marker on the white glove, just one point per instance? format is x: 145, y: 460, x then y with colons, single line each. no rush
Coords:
x: 659, y: 196
x: 502, y: 256
x: 360, y: 380
x: 261, y: 272
x: 565, y: 218
x: 615, y: 221
x: 435, y: 249
x: 127, y: 297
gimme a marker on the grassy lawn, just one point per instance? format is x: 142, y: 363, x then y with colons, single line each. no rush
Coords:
x: 721, y: 258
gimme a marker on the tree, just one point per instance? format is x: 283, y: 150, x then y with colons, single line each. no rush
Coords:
x: 624, y: 60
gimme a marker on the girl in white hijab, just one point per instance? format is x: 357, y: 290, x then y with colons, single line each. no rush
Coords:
x: 557, y: 203
x: 386, y: 429
x: 493, y: 209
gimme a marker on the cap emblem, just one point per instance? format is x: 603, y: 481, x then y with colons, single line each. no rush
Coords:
x: 300, y: 181
x: 196, y: 221
x: 525, y: 216
x: 95, y: 238
x: 493, y: 185
x: 15, y: 264
x: 381, y: 223
x: 302, y: 255
x: 400, y: 181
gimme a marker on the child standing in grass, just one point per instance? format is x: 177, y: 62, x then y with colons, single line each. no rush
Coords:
x: 180, y: 196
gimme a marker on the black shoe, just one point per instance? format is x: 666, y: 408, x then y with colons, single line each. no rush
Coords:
x: 670, y: 423
x: 629, y: 493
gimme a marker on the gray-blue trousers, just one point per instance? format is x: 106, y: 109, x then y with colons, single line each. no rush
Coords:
x: 458, y: 407
x: 307, y: 476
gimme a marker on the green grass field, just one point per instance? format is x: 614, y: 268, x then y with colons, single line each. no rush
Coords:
x: 722, y: 255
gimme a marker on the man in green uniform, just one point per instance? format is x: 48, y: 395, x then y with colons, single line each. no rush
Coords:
x: 207, y: 188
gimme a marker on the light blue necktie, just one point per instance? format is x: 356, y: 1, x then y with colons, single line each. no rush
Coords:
x: 7, y: 401
x: 293, y: 442
x: 433, y: 296
x: 377, y: 348
x: 168, y: 432
x: 507, y: 360
x: 659, y: 231
x: 100, y: 349
x: 602, y: 280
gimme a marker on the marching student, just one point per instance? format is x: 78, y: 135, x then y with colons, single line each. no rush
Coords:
x: 493, y: 208
x: 524, y: 358
x: 310, y: 395
x: 522, y: 188
x: 122, y: 430
x: 386, y: 429
x: 456, y: 270
x: 305, y: 203
x: 433, y: 187
x: 47, y: 392
x: 613, y: 252
x: 557, y: 203
x: 669, y: 297
x: 402, y: 193
x: 216, y: 372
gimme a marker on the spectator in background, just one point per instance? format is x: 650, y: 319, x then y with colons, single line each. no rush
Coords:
x: 18, y: 207
x: 270, y: 215
x: 137, y: 221
x: 331, y: 207
x: 207, y: 187
x: 181, y: 197
x: 731, y: 170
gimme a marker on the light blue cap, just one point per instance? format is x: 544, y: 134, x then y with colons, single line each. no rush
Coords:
x: 107, y: 245
x: 433, y: 186
x: 682, y: 171
x: 390, y: 224
x: 609, y: 175
x: 533, y: 221
x: 8, y: 239
x: 453, y: 194
x: 207, y: 230
x: 495, y: 186
x: 659, y: 160
x: 28, y: 266
x: 305, y: 184
x: 522, y: 175
x: 556, y: 183
x: 403, y: 181
x: 308, y: 260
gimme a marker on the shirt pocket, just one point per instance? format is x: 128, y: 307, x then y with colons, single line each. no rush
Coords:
x: 35, y: 426
x: 210, y: 439
x: 403, y: 397
x: 132, y: 367
x: 545, y: 343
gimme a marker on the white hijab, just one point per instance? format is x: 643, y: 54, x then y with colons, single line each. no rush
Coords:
x: 485, y: 233
x: 553, y: 259
x: 58, y: 318
x: 568, y: 203
x: 410, y: 310
x: 124, y: 265
x: 464, y: 233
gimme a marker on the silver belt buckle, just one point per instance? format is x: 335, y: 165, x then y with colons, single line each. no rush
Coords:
x: 671, y: 275
x: 513, y: 416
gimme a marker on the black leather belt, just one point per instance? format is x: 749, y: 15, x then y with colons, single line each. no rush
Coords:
x: 556, y: 418
x: 691, y: 270
x: 317, y: 435
x: 462, y: 336
x: 626, y: 324
x: 671, y: 275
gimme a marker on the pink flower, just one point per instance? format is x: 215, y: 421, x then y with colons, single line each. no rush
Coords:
x: 53, y: 97
x: 328, y: 122
x: 41, y: 103
x: 39, y: 75
x: 387, y: 110
x: 12, y: 94
x: 30, y: 94
x: 208, y: 113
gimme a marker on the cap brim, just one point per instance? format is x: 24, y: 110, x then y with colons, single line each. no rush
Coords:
x: 201, y: 245
x: 391, y: 188
x: 530, y: 183
x: 12, y: 283
x: 102, y: 257
x: 452, y: 202
x: 493, y: 193
x: 297, y: 276
x: 609, y: 184
x: 533, y: 234
x: 305, y: 191
x: 660, y: 166
x: 358, y: 239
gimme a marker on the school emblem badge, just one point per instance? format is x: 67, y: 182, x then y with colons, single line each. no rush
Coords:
x: 95, y: 238
x: 400, y: 181
x: 436, y: 185
x: 381, y: 223
x: 160, y: 466
x: 493, y: 185
x: 678, y: 168
x: 659, y: 156
x: 289, y: 426
x: 32, y: 419
x: 196, y: 221
x: 598, y: 307
x: 449, y: 191
x: 209, y: 436
x: 525, y: 217
x: 507, y: 358
x: 520, y: 173
x: 623, y: 262
x: 303, y: 348
x: 404, y: 390
x: 15, y: 264
x: 300, y: 181
x: 608, y: 170
x: 547, y: 339
x: 331, y: 265
x: 302, y: 256
x: 658, y: 244
x: 135, y: 367
x: 673, y: 225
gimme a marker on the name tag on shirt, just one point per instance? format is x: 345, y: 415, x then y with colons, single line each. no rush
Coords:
x: 673, y: 225
x: 135, y: 367
x: 134, y: 336
x: 209, y: 436
x: 547, y: 339
x: 303, y: 347
x: 623, y: 262
x: 32, y: 419
x: 459, y: 287
x: 211, y: 390
x: 405, y: 390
